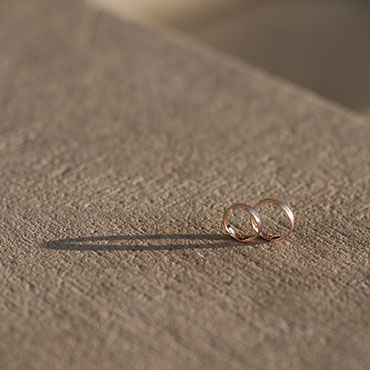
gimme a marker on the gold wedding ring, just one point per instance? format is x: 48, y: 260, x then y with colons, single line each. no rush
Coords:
x: 287, y: 211
x: 256, y: 224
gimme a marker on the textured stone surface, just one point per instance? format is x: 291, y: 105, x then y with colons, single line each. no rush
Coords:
x: 120, y: 148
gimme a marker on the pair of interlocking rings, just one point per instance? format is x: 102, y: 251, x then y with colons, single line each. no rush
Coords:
x: 256, y: 221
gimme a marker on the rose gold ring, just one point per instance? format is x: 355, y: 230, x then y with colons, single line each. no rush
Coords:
x: 287, y: 211
x: 256, y: 223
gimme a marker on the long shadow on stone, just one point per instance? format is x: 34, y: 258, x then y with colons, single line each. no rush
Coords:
x: 145, y: 242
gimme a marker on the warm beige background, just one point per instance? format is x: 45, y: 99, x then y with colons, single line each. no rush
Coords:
x: 120, y: 149
x: 322, y: 45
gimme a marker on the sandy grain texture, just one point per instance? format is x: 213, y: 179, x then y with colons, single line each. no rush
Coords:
x: 119, y: 150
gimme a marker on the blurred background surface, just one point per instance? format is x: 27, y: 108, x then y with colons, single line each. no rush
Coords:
x: 321, y: 45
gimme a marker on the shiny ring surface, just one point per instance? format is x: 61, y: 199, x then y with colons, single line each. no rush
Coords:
x: 287, y: 211
x: 256, y: 224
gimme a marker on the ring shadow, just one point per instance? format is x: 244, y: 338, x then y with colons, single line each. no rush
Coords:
x: 91, y: 243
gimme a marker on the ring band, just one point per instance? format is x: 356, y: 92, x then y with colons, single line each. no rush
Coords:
x: 287, y: 211
x: 256, y: 223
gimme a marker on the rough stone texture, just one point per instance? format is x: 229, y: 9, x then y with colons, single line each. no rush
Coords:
x: 120, y: 148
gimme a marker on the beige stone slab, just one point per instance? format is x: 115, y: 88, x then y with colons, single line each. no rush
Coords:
x: 120, y: 148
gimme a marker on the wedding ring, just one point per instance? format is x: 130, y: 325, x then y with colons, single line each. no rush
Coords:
x: 256, y: 223
x: 287, y: 211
